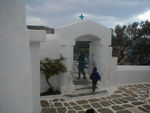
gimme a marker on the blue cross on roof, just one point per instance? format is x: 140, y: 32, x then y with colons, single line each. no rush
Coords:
x: 81, y: 17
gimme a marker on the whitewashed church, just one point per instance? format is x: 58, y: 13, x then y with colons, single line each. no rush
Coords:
x: 21, y: 50
x: 63, y: 40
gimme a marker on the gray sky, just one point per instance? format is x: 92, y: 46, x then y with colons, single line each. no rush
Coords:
x: 55, y: 13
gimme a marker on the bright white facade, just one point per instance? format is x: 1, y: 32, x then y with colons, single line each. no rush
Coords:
x: 35, y: 37
x: 20, y: 54
x: 15, y: 65
x: 62, y: 42
x: 19, y: 60
x: 100, y: 50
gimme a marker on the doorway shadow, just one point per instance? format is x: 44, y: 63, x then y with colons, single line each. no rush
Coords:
x: 81, y: 47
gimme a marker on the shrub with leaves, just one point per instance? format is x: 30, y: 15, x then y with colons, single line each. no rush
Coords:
x: 52, y: 67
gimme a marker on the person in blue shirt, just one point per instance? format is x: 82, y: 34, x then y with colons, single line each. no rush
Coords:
x: 81, y: 66
x: 95, y: 76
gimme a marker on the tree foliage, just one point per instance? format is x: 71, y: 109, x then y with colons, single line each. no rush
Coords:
x: 52, y: 67
x: 131, y: 43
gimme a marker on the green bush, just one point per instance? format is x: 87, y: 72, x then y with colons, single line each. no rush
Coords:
x: 52, y: 67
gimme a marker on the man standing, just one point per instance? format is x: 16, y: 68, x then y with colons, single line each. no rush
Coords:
x: 81, y: 65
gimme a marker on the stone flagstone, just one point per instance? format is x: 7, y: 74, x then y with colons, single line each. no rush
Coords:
x: 122, y: 100
x: 147, y: 107
x: 69, y: 107
x: 103, y: 98
x: 105, y: 110
x: 66, y: 104
x: 105, y: 103
x: 124, y: 111
x: 55, y: 100
x: 117, y: 108
x: 137, y: 103
x: 77, y: 108
x: 96, y: 105
x: 93, y: 100
x: 71, y: 111
x: 116, y: 101
x: 44, y: 103
x: 116, y: 96
x: 61, y: 110
x: 135, y: 110
x: 86, y: 106
x: 108, y: 104
x: 111, y: 102
x: 58, y: 104
x: 142, y: 109
x: 127, y: 105
x: 49, y: 110
x: 129, y: 98
x: 118, y: 91
x: 124, y: 94
x: 73, y: 104
x: 82, y: 102
x: 109, y: 97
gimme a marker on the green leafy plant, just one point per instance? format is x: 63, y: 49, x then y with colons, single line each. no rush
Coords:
x: 52, y: 67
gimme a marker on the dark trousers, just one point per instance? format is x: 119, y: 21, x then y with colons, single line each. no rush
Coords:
x: 81, y: 70
x: 94, y: 85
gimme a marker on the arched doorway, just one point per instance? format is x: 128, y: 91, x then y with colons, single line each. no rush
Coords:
x: 88, y: 45
x: 99, y: 39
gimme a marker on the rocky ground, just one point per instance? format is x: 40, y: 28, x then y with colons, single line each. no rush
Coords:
x: 126, y: 99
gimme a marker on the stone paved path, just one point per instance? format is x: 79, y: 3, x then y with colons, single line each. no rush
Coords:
x: 126, y: 99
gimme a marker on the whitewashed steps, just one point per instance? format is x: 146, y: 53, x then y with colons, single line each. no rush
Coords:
x: 81, y: 91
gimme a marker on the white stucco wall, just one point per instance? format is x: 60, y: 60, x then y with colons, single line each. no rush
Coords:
x: 87, y: 27
x: 15, y: 66
x: 133, y: 74
x: 50, y: 49
x: 36, y: 36
x: 35, y: 63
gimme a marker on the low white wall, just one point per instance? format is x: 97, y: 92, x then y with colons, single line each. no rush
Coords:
x: 35, y: 66
x: 36, y: 36
x: 133, y: 74
x: 50, y: 48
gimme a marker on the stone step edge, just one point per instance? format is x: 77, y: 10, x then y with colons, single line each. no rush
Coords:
x: 83, y: 88
x: 85, y: 94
